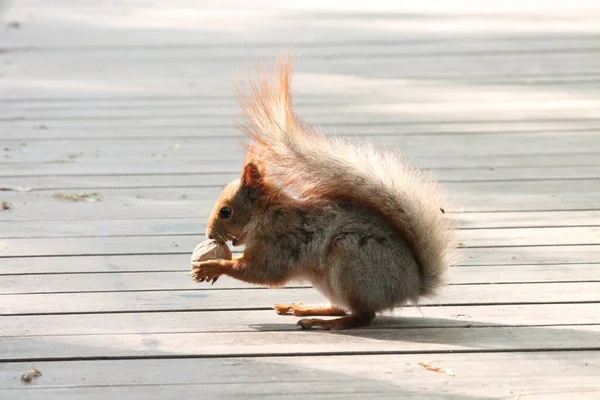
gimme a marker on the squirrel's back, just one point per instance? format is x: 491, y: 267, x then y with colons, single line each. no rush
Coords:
x: 301, y: 160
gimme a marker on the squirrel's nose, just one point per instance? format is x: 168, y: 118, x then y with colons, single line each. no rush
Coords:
x: 211, y: 237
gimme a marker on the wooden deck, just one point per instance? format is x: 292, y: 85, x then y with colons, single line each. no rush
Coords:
x: 130, y: 103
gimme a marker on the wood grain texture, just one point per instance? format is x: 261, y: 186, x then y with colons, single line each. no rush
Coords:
x: 192, y: 150
x: 196, y: 203
x: 554, y: 172
x: 194, y: 298
x: 267, y: 320
x: 51, y: 281
x: 133, y: 100
x: 471, y: 239
x: 166, y: 226
x: 176, y: 260
x: 303, y: 342
x: 388, y: 376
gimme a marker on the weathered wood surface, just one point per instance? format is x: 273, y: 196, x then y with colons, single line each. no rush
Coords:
x: 196, y: 203
x: 132, y: 100
x: 189, y: 151
x: 173, y: 279
x: 199, y: 179
x: 193, y: 299
x: 383, y: 340
x: 169, y: 226
x: 267, y: 320
x: 481, y: 375
x: 472, y: 239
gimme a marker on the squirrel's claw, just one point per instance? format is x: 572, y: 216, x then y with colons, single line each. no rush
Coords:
x: 204, y: 272
x: 282, y: 309
x: 304, y: 324
x: 322, y: 324
x: 285, y: 309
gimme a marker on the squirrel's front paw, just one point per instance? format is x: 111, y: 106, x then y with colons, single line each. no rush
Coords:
x: 283, y: 309
x: 206, y: 271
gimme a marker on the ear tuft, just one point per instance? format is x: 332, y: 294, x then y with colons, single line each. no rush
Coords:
x: 251, y: 177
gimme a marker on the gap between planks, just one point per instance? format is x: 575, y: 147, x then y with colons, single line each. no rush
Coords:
x: 574, y: 255
x: 246, y: 320
x: 296, y: 343
x: 177, y: 279
x: 465, y: 240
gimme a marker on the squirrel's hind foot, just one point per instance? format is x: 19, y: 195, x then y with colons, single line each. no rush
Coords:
x: 350, y: 321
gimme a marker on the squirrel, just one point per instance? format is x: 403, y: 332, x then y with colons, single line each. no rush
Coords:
x: 365, y: 229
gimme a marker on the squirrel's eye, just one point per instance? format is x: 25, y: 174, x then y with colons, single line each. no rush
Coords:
x: 225, y: 213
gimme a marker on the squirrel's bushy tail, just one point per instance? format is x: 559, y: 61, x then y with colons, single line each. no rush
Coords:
x: 314, y: 167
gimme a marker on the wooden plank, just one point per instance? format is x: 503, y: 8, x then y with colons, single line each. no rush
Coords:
x: 99, y: 246
x: 247, y: 320
x: 323, y: 50
x: 315, y: 58
x: 307, y: 103
x: 178, y: 279
x: 94, y: 264
x: 326, y: 47
x: 184, y: 226
x: 350, y: 109
x: 325, y: 115
x: 229, y: 147
x: 487, y: 220
x: 194, y: 298
x: 555, y: 255
x: 528, y: 237
x: 115, y: 227
x: 417, y: 22
x: 387, y: 376
x: 30, y: 130
x: 321, y: 80
x: 198, y: 65
x: 532, y: 255
x: 444, y: 175
x: 195, y: 203
x: 576, y: 337
x: 472, y: 239
x: 217, y: 170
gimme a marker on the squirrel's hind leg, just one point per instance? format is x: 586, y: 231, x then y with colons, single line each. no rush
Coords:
x: 350, y: 321
x: 299, y: 309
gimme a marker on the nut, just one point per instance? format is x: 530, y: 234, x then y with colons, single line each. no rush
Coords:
x: 211, y: 250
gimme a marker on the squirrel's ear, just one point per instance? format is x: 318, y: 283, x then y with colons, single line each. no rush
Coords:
x: 251, y: 177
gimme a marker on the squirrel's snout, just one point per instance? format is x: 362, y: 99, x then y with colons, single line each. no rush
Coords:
x: 216, y: 236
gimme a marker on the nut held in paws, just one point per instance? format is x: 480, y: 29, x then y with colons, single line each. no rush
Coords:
x: 211, y: 250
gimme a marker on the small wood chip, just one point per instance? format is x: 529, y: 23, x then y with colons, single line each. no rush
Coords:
x: 5, y: 205
x: 427, y: 365
x: 14, y: 189
x: 29, y: 376
x: 90, y: 197
x: 442, y: 210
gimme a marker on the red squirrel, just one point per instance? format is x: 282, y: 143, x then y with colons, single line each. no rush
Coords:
x: 360, y: 225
